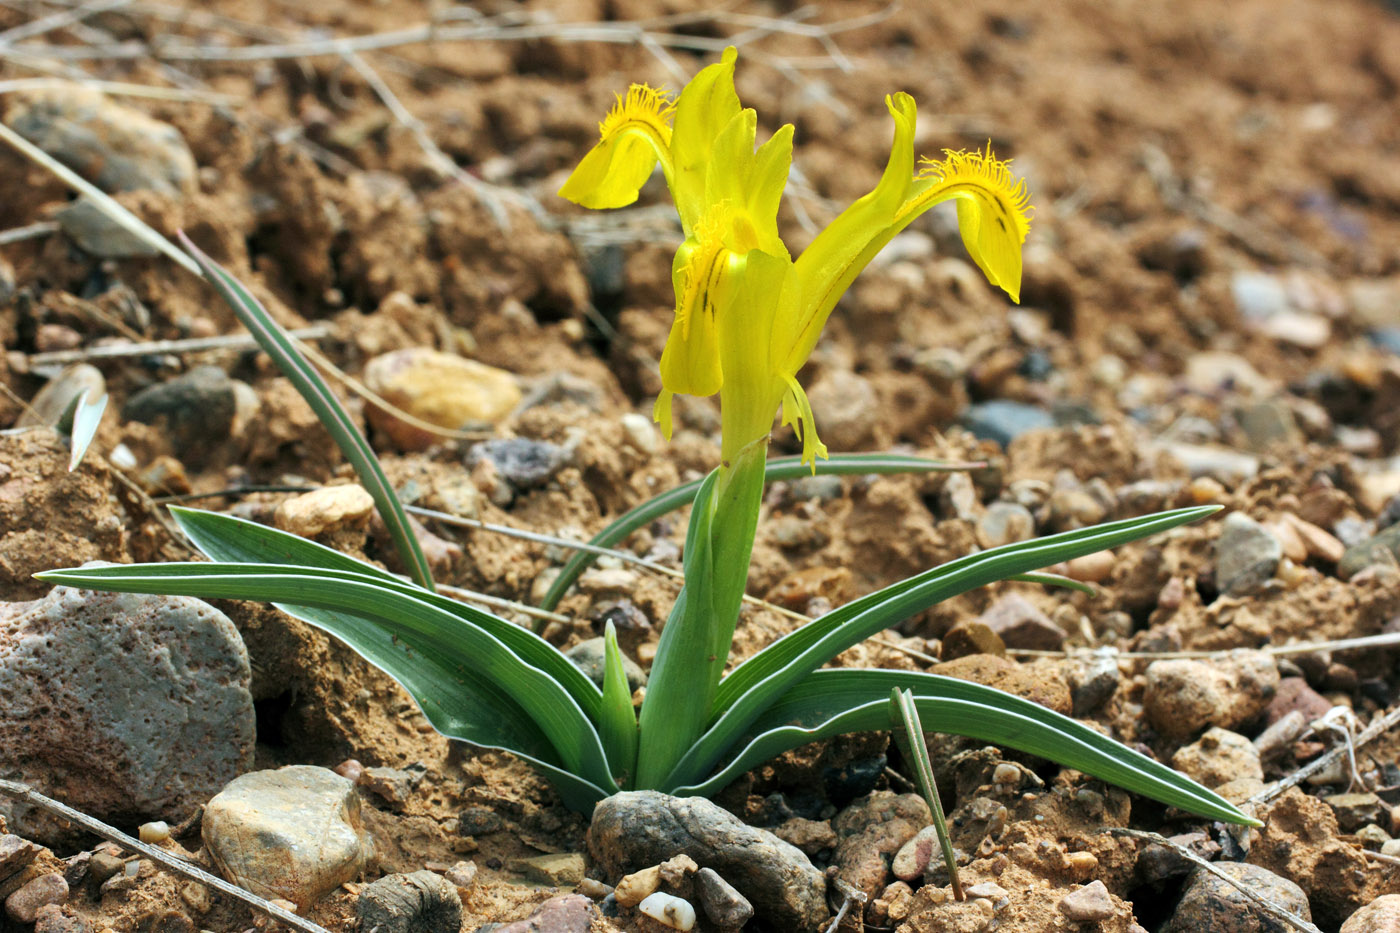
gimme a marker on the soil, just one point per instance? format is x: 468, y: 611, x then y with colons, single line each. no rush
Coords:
x: 1173, y: 149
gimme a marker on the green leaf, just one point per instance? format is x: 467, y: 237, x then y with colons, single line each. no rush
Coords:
x: 618, y: 723
x: 470, y: 650
x: 677, y: 700
x: 833, y: 702
x: 779, y: 468
x: 276, y: 344
x: 908, y: 733
x: 230, y: 540
x: 765, y: 676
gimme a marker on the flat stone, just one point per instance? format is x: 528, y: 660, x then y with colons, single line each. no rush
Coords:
x: 1090, y: 904
x: 1005, y: 523
x: 1210, y: 903
x: 1246, y: 555
x: 635, y: 829
x: 1381, y: 549
x: 293, y: 833
x: 1356, y: 810
x: 556, y: 869
x: 421, y: 902
x: 98, y: 234
x: 522, y: 462
x: 127, y: 707
x: 1003, y: 421
x: 913, y: 858
x: 16, y: 853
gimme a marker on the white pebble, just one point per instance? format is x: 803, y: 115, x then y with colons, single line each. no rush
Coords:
x: 668, y: 909
x: 159, y: 831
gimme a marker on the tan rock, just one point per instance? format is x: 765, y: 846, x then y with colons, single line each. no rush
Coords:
x: 293, y: 833
x: 439, y: 388
x: 321, y: 510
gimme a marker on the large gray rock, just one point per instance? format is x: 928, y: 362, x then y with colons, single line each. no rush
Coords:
x: 1211, y: 903
x: 115, y: 147
x: 195, y: 409
x: 127, y: 707
x: 637, y: 829
x: 294, y: 833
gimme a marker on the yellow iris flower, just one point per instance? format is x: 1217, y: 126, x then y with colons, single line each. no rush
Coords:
x: 747, y: 314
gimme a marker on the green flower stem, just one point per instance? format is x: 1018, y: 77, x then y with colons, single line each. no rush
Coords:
x: 696, y: 639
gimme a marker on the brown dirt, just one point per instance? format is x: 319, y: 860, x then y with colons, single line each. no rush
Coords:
x: 1168, y: 146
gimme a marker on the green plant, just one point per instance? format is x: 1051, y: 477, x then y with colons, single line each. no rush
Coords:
x: 747, y: 317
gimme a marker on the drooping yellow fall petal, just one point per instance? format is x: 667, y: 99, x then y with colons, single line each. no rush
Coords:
x: 838, y: 254
x: 633, y: 137
x: 705, y: 107
x: 993, y: 210
x: 704, y: 275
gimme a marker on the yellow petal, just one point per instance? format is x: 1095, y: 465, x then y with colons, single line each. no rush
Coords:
x: 753, y: 386
x: 798, y: 410
x: 706, y: 105
x: 750, y: 184
x: 661, y: 412
x: 703, y: 275
x: 635, y: 134
x: 993, y: 211
x: 838, y: 254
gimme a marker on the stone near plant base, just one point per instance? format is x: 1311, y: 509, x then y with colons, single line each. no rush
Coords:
x: 115, y: 147
x: 124, y: 706
x: 1090, y: 904
x: 1211, y: 903
x: 669, y: 910
x: 1185, y: 696
x: 24, y: 904
x: 726, y: 907
x: 195, y: 411
x: 1021, y: 625
x: 872, y: 830
x: 293, y: 833
x: 588, y: 656
x: 439, y: 388
x: 912, y: 859
x: 328, y: 509
x: 1219, y: 757
x: 421, y: 902
x: 567, y: 913
x: 1246, y: 555
x: 1380, y: 916
x: 636, y: 829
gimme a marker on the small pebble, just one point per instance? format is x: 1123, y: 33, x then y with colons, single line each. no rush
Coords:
x: 987, y: 889
x: 1380, y: 916
x: 1091, y: 568
x: 156, y: 831
x: 724, y: 905
x: 638, y: 886
x: 1090, y: 904
x: 462, y: 874
x: 593, y: 888
x: 668, y: 909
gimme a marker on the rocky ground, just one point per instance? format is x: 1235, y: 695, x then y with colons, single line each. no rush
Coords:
x: 1211, y: 314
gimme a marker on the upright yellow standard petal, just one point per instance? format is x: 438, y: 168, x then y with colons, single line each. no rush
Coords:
x: 634, y: 136
x: 838, y: 254
x: 705, y: 107
x: 750, y: 183
x: 993, y: 210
